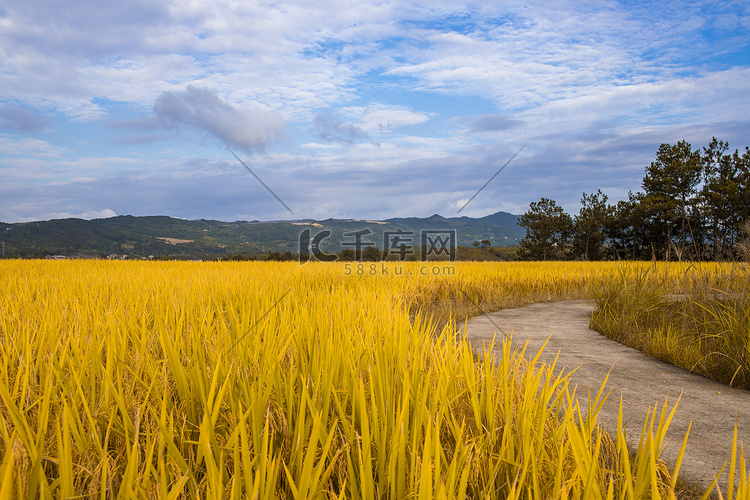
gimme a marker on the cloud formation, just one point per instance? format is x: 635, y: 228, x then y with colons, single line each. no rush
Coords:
x: 435, y: 94
x: 489, y: 123
x: 249, y: 128
x: 22, y: 120
x: 329, y: 128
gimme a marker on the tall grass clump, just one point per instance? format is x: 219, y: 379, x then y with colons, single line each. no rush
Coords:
x: 273, y: 380
x: 631, y: 299
x: 696, y: 316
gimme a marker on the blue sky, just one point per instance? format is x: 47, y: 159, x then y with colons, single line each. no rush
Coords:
x: 354, y: 109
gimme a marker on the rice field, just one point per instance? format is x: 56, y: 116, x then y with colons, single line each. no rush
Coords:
x: 275, y: 380
x: 693, y: 316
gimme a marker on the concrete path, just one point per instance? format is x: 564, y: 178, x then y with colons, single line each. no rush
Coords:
x: 642, y: 380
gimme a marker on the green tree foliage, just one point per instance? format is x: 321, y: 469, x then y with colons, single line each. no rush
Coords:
x: 670, y: 195
x: 372, y: 254
x: 590, y: 224
x: 625, y: 231
x: 724, y: 197
x: 548, y: 228
x: 693, y: 204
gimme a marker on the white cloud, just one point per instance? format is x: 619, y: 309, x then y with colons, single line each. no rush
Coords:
x: 12, y: 217
x: 88, y: 215
x: 22, y: 120
x: 297, y: 59
x: 10, y: 145
x: 249, y: 127
x: 591, y: 87
x: 712, y: 97
x: 331, y: 129
x: 380, y: 118
x: 315, y: 145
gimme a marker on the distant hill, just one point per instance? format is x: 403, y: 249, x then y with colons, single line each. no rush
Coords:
x: 162, y: 236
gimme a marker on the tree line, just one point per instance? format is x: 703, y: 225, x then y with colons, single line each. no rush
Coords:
x: 693, y: 204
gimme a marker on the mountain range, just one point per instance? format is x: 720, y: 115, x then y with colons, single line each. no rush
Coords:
x: 162, y: 236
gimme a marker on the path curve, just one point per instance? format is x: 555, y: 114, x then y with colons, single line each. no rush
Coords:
x: 642, y: 380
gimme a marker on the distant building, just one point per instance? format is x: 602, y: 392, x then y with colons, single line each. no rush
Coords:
x: 115, y: 256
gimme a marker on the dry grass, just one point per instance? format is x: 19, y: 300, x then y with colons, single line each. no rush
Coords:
x: 693, y: 316
x: 271, y: 380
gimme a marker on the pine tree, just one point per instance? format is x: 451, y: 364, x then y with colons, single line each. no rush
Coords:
x: 590, y: 222
x: 548, y: 228
x: 670, y: 194
x: 725, y: 196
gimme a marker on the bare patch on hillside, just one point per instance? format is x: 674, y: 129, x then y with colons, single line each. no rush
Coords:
x: 173, y: 241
